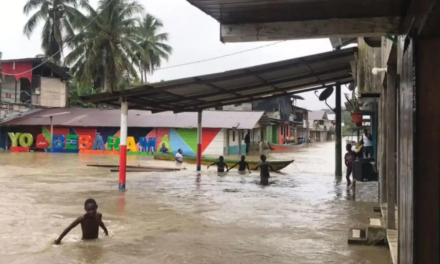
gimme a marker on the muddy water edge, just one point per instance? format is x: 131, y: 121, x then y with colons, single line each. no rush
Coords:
x: 303, y: 217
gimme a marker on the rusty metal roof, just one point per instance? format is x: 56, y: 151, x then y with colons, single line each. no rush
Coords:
x: 264, y: 11
x: 238, y: 86
x: 136, y: 118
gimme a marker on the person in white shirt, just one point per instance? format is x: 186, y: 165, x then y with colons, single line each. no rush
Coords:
x: 368, y: 144
x: 179, y: 156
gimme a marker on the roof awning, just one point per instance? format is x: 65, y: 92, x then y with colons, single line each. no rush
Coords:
x: 238, y: 86
x: 257, y: 20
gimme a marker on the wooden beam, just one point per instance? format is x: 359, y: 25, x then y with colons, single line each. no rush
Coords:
x: 416, y: 15
x: 342, y: 28
x: 391, y: 145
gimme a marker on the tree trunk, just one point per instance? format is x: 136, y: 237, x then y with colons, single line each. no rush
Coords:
x: 142, y: 75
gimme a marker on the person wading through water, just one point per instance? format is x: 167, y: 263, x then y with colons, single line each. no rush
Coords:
x: 247, y: 141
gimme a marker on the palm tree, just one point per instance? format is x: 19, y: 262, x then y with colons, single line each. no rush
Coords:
x: 58, y: 16
x: 105, y: 51
x: 154, y: 50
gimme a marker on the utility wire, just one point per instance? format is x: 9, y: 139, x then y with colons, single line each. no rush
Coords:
x: 219, y: 57
x: 62, y: 48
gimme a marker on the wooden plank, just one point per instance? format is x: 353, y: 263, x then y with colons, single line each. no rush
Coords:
x: 132, y: 167
x: 341, y: 28
x: 406, y: 157
x: 391, y: 145
x: 426, y: 172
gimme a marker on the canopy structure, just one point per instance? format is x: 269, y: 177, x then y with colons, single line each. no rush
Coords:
x: 195, y: 94
x: 238, y: 86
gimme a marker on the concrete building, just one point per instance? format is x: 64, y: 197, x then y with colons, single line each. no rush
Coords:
x: 321, y: 128
x: 25, y: 86
x: 282, y: 120
x: 223, y: 131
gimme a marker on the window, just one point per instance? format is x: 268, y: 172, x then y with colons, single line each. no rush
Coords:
x: 233, y: 135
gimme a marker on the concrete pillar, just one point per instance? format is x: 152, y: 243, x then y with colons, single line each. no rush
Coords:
x: 391, y: 146
x: 199, y: 143
x: 338, y: 132
x: 123, y: 144
x: 51, y: 134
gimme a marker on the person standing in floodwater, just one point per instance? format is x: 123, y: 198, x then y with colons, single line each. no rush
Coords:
x: 179, y: 157
x: 247, y: 141
x: 242, y: 165
x: 164, y: 149
x: 350, y: 157
x: 221, y: 165
x: 264, y: 170
x: 368, y: 144
x: 90, y: 223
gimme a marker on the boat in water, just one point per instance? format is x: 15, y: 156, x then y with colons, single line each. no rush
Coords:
x: 276, y: 164
x: 286, y: 147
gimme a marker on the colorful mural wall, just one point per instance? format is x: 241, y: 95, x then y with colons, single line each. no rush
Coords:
x: 88, y: 140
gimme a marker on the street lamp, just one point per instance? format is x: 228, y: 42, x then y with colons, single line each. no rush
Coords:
x: 51, y: 125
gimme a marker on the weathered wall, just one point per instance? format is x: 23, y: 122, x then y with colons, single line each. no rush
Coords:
x: 53, y: 92
x: 174, y: 139
x: 368, y: 58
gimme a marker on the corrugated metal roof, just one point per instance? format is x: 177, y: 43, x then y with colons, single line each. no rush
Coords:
x: 238, y: 86
x: 316, y: 115
x: 137, y: 118
x: 260, y: 11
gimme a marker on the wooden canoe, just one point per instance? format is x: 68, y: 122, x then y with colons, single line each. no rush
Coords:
x: 285, y: 147
x: 276, y: 164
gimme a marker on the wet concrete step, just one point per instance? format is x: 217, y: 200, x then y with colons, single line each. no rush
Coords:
x: 357, y: 236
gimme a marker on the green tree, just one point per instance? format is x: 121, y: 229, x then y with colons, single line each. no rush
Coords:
x: 154, y: 49
x: 104, y: 52
x: 58, y: 16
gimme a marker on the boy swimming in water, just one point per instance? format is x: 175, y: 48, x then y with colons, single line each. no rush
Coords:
x: 264, y: 170
x: 221, y: 165
x: 242, y: 165
x: 90, y: 223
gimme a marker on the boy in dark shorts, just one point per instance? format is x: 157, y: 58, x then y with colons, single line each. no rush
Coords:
x: 90, y: 223
x: 242, y: 165
x: 221, y: 165
x: 350, y: 157
x: 264, y: 170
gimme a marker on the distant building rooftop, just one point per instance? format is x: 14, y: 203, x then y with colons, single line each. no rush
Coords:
x: 136, y: 118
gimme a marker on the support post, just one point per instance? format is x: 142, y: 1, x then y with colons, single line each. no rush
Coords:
x: 383, y: 142
x: 338, y: 132
x: 123, y: 144
x: 51, y: 134
x: 199, y: 143
x: 391, y: 146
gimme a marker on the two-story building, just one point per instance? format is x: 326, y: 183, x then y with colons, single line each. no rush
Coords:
x: 281, y: 122
x: 321, y: 128
x: 32, y: 83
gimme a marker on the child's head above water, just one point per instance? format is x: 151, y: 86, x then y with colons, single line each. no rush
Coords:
x: 348, y: 147
x: 221, y: 158
x: 263, y: 158
x: 243, y: 157
x: 90, y: 206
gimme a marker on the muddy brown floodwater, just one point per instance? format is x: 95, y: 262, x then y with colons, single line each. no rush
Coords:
x: 167, y: 218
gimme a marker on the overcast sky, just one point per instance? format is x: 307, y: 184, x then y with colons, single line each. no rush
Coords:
x: 193, y: 35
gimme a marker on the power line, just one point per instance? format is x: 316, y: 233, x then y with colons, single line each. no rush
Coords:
x: 219, y: 57
x: 62, y: 48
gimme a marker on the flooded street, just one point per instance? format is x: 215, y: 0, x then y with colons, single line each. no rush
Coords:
x: 304, y: 217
